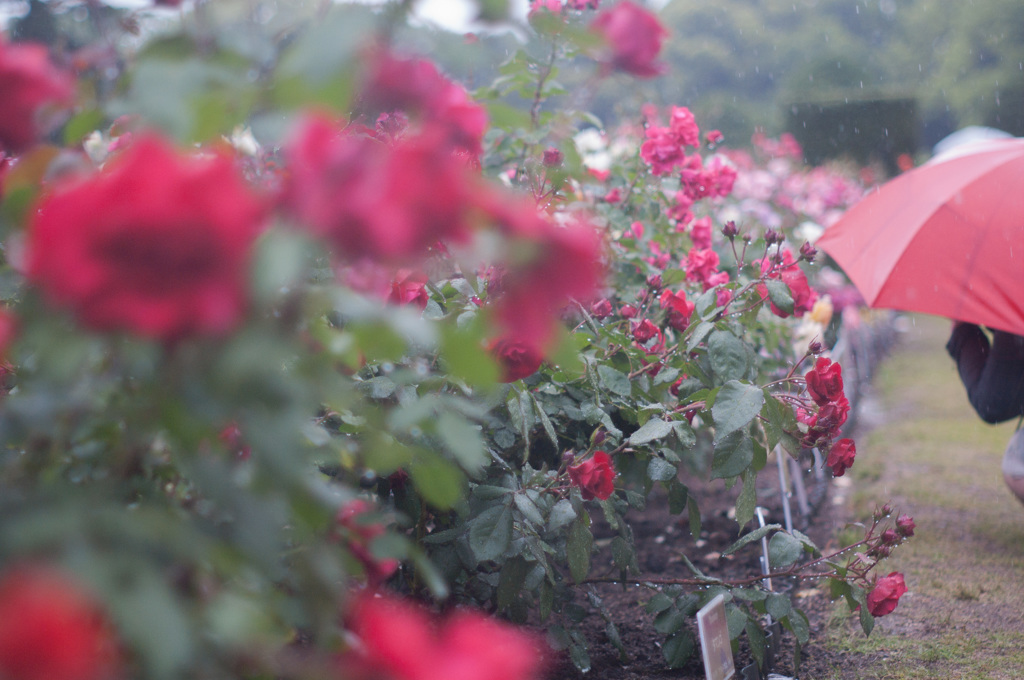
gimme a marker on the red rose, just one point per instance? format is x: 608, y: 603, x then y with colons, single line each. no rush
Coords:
x: 840, y: 456
x: 601, y: 309
x: 517, y: 359
x: 679, y: 309
x: 905, y: 525
x: 415, y: 85
x: 825, y: 381
x: 157, y: 244
x: 595, y: 477
x: 28, y: 83
x: 402, y: 641
x: 555, y: 266
x: 633, y: 36
x: 886, y: 594
x: 644, y: 331
x: 375, y: 200
x: 52, y: 630
x: 789, y: 273
x: 358, y: 534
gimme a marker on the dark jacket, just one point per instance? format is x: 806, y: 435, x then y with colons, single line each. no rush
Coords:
x: 993, y: 373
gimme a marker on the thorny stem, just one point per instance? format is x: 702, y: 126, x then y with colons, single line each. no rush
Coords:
x: 796, y: 570
x: 538, y: 97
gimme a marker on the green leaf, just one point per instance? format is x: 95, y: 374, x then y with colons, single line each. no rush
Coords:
x: 510, y: 582
x: 779, y: 422
x: 735, y: 406
x: 757, y: 642
x: 613, y: 636
x: 439, y: 482
x: 490, y: 533
x: 746, y: 503
x: 463, y: 440
x: 698, y: 334
x: 561, y: 515
x: 784, y: 550
x: 755, y: 535
x: 429, y: 574
x: 659, y: 603
x: 798, y: 624
x: 684, y: 433
x: 732, y: 456
x: 694, y: 513
x: 731, y: 358
x: 528, y: 509
x: 615, y: 381
x: 578, y: 546
x: 81, y: 125
x: 660, y: 470
x: 736, y: 619
x: 780, y: 295
x: 464, y: 354
x: 623, y: 555
x: 678, y: 494
x: 545, y: 422
x: 778, y: 605
x: 653, y: 429
x: 670, y: 621
x: 678, y: 649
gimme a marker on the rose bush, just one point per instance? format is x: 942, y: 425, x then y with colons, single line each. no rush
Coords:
x: 304, y: 330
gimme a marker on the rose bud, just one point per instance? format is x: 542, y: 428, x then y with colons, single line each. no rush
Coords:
x: 905, y: 525
x: 890, y: 537
x: 771, y: 237
x: 816, y: 348
x: 808, y: 251
x: 730, y: 230
x: 654, y: 281
x: 627, y: 311
x: 552, y: 157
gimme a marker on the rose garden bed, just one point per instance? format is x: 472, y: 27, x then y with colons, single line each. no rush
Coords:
x: 320, y: 365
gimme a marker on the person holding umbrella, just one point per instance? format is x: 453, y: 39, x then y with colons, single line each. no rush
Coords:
x: 993, y: 374
x: 947, y: 238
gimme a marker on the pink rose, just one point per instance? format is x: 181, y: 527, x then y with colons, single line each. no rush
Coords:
x: 595, y: 477
x: 905, y: 525
x: 409, y: 288
x: 701, y: 263
x: 633, y: 36
x: 28, y: 83
x: 886, y: 594
x: 700, y: 233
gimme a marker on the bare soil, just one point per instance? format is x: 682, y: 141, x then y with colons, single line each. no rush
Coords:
x: 661, y: 538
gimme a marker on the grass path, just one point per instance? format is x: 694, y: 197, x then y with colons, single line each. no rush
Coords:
x: 934, y: 459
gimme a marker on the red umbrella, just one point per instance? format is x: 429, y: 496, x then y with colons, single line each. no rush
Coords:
x: 946, y: 238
